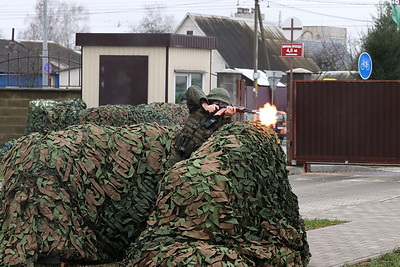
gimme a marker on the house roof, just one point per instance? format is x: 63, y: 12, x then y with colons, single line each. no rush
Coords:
x: 236, y: 43
x: 18, y: 52
x: 336, y: 75
x: 262, y: 80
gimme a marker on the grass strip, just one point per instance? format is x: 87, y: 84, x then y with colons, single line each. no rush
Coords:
x: 312, y: 224
x: 386, y: 260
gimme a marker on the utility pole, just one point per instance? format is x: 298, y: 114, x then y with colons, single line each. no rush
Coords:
x: 45, y: 52
x: 255, y: 74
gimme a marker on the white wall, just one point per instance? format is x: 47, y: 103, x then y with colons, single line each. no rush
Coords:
x: 189, y: 60
x: 179, y: 59
x: 91, y: 70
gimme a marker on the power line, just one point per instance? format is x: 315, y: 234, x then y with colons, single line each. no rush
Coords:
x: 138, y: 8
x: 18, y: 11
x: 339, y: 2
x: 318, y: 13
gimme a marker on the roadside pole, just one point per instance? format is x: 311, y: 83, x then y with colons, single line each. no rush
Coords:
x: 255, y: 74
x: 45, y: 52
x: 292, y: 29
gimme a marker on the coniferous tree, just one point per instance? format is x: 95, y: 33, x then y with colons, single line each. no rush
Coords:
x: 382, y: 43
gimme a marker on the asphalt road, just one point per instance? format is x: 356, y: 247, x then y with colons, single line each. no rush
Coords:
x: 323, y: 191
x: 368, y: 198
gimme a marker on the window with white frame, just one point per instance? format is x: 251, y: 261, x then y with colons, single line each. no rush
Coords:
x: 183, y: 81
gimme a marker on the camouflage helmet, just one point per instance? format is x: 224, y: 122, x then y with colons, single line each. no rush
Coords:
x: 219, y: 94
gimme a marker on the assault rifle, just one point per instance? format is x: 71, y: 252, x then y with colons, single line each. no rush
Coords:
x: 215, y: 118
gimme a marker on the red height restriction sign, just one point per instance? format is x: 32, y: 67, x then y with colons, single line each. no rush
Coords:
x: 292, y: 50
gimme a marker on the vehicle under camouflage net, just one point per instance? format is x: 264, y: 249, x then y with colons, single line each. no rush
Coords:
x: 229, y: 204
x: 84, y: 193
x: 167, y: 114
x: 46, y: 115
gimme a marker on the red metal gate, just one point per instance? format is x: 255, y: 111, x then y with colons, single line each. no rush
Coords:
x: 346, y: 122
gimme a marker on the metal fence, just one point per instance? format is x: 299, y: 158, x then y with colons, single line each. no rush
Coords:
x: 25, y: 71
x: 346, y: 122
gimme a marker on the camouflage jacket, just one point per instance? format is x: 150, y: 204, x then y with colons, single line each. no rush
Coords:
x: 194, y: 132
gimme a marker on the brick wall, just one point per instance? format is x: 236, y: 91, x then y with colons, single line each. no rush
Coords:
x: 14, y: 105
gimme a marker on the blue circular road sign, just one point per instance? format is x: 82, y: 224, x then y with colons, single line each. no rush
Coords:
x: 365, y: 65
x: 47, y: 68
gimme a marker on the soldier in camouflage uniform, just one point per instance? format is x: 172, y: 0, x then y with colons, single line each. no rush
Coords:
x: 203, y: 109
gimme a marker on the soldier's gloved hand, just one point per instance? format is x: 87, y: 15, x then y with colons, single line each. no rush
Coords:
x: 210, y: 108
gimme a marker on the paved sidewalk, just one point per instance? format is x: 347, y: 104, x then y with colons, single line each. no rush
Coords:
x: 372, y: 230
x: 371, y: 204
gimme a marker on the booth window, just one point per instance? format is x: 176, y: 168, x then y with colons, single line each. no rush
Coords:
x: 183, y: 81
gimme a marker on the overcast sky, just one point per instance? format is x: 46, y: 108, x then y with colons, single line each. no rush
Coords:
x: 120, y: 15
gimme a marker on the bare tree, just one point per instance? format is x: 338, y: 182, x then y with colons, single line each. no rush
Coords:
x: 155, y: 21
x: 332, y: 55
x: 330, y: 48
x: 64, y: 21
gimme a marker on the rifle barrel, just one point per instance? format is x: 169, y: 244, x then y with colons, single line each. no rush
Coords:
x: 240, y: 108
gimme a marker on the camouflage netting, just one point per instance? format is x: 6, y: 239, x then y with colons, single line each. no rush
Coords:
x: 230, y: 204
x: 166, y: 114
x: 3, y: 150
x: 46, y: 115
x: 177, y: 113
x: 83, y: 193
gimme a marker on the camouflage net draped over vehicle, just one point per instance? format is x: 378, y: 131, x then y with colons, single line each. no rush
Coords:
x: 7, y: 146
x: 83, y: 193
x: 167, y: 114
x: 229, y: 204
x: 45, y: 115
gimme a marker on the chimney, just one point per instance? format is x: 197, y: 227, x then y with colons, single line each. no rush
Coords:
x: 243, y: 12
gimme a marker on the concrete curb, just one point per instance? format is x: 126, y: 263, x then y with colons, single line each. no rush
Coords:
x: 337, y: 167
x: 294, y: 170
x: 319, y: 168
